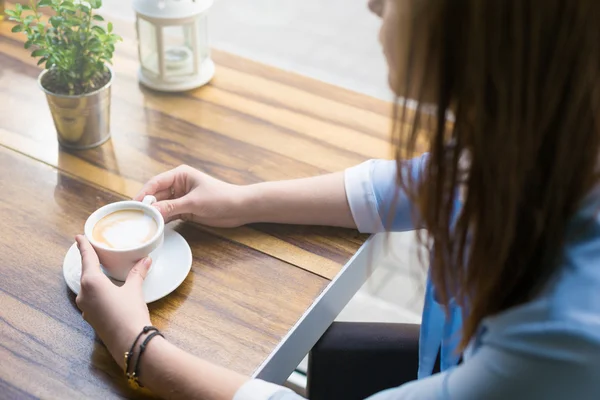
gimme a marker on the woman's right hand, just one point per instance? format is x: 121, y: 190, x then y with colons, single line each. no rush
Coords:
x: 188, y: 194
x: 191, y: 195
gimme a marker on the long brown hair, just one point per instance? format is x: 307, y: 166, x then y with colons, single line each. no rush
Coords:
x: 522, y: 80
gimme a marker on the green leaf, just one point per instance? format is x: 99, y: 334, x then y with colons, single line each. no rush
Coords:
x: 10, y: 13
x: 17, y: 28
x: 110, y: 27
x: 56, y: 21
x: 68, y: 6
x: 42, y: 60
x: 38, y: 53
x: 99, y: 29
x: 28, y: 44
x: 44, y: 3
x: 95, y: 46
x: 98, y: 18
x: 96, y: 4
x: 19, y: 8
x: 26, y: 7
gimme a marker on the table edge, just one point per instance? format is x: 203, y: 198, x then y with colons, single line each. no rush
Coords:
x: 286, y: 356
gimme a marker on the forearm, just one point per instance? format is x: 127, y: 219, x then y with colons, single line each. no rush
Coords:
x: 319, y: 200
x: 171, y: 373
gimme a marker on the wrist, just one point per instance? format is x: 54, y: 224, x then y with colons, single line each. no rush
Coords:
x: 250, y: 203
x: 136, y: 361
x: 123, y: 343
x: 155, y: 349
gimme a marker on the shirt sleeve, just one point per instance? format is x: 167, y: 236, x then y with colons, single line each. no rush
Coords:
x: 496, y: 370
x: 377, y: 202
x: 497, y: 374
x: 257, y: 389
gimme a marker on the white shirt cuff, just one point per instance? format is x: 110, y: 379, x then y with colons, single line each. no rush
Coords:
x: 361, y: 198
x: 257, y: 389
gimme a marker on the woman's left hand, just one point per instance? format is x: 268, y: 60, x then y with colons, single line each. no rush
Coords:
x: 118, y: 314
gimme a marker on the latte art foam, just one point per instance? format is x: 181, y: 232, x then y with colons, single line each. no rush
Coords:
x: 125, y: 229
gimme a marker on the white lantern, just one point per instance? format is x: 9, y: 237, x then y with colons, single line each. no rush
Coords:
x: 173, y: 44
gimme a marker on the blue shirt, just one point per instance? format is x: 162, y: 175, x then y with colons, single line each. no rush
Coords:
x: 548, y: 348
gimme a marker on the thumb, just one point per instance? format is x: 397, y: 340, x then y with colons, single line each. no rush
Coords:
x: 138, y: 273
x: 89, y: 259
x: 173, y: 207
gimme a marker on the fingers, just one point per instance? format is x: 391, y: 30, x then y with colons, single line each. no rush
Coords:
x: 172, y: 208
x: 376, y: 7
x: 90, y: 264
x: 138, y: 273
x: 158, y: 184
x: 164, y: 194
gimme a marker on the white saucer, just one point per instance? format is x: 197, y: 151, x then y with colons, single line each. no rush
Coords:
x: 166, y: 275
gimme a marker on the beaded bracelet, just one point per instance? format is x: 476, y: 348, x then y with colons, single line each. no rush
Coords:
x: 136, y: 370
x: 132, y: 377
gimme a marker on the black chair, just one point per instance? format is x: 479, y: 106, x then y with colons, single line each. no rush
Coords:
x: 355, y: 360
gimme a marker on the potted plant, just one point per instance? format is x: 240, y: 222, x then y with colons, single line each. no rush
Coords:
x: 76, y: 47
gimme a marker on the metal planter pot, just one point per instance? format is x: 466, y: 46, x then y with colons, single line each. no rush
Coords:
x: 81, y: 121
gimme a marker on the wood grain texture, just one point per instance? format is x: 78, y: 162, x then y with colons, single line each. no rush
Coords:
x: 251, y: 123
x: 242, y: 128
x: 233, y: 308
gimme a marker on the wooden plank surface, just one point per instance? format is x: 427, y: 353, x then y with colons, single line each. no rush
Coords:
x: 250, y: 124
x: 233, y: 308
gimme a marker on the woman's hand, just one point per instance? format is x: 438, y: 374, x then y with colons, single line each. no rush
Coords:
x: 117, y: 314
x: 188, y: 194
x: 191, y: 195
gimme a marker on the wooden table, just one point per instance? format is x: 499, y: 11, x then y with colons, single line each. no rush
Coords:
x: 257, y: 297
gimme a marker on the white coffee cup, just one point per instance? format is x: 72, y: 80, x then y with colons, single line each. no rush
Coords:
x: 118, y: 262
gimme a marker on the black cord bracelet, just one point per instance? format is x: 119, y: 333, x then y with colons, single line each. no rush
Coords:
x: 129, y: 353
x: 136, y: 371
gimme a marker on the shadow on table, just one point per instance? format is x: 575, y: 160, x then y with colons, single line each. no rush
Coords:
x: 161, y: 310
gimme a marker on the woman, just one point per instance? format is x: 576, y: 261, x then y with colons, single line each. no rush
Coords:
x: 509, y: 196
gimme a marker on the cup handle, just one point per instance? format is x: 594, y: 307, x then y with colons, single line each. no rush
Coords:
x: 149, y: 200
